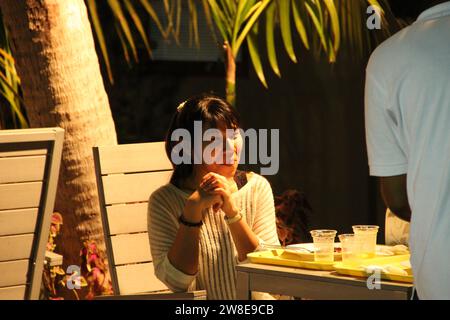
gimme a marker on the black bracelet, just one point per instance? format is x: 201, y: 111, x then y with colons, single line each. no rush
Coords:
x: 189, y: 224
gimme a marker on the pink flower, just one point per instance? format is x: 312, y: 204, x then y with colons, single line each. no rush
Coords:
x: 57, y: 218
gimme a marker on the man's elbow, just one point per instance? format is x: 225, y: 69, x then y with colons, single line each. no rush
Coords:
x: 402, y: 211
x: 394, y: 193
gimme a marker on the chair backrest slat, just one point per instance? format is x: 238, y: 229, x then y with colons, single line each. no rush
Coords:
x: 13, y: 272
x: 29, y: 169
x: 13, y: 293
x: 136, y: 157
x: 16, y: 247
x: 18, y: 221
x: 20, y: 195
x: 126, y: 177
x: 129, y: 283
x: 131, y: 248
x: 139, y: 186
x: 13, y: 151
x: 22, y: 169
x: 130, y: 218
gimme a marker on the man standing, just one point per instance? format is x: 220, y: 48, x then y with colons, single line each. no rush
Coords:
x: 408, y: 139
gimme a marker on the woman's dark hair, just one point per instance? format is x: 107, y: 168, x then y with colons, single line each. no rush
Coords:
x: 212, y: 111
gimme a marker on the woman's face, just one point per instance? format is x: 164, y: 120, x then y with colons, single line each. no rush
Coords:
x: 222, y: 158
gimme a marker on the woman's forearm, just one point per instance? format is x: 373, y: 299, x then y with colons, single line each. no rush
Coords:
x: 244, y: 238
x: 184, y: 252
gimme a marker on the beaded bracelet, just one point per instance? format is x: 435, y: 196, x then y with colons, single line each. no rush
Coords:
x: 189, y: 224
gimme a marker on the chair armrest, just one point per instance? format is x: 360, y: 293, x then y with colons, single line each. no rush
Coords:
x: 159, y: 295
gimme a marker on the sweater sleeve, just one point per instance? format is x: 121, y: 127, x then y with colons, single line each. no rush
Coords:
x: 162, y: 230
x: 264, y: 225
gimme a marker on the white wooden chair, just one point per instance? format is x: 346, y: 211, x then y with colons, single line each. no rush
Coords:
x: 126, y: 176
x: 29, y: 169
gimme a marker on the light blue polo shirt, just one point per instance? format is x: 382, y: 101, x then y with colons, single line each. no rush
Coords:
x: 407, y: 111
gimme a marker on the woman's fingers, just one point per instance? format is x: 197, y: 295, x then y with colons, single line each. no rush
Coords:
x: 221, y: 191
x: 206, y: 179
x: 212, y: 185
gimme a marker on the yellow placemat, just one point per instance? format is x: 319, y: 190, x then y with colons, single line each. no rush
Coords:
x: 281, y: 258
x: 359, y: 269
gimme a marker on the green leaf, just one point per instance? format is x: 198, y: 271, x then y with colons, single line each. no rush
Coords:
x: 194, y: 22
x: 248, y: 26
x: 93, y: 12
x: 138, y: 23
x: 151, y: 12
x: 317, y: 24
x: 284, y: 9
x: 270, y: 41
x: 123, y: 43
x: 13, y: 99
x: 252, y: 42
x: 377, y: 4
x: 251, y: 10
x: 178, y: 22
x: 299, y: 24
x: 229, y: 9
x: 242, y: 10
x: 123, y: 23
x: 334, y: 17
x: 221, y: 21
x: 209, y: 18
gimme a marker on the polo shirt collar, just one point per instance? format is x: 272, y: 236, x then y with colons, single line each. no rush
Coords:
x: 440, y: 10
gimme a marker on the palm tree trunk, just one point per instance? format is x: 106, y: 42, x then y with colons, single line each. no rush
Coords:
x: 62, y: 86
x: 230, y: 77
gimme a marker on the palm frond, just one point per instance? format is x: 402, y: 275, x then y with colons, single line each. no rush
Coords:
x: 93, y: 12
x: 270, y: 38
x: 252, y: 42
x: 12, y: 108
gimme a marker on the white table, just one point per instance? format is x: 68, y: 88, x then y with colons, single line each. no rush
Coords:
x: 312, y: 284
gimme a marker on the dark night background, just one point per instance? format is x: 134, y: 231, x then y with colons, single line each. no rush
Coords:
x: 318, y: 107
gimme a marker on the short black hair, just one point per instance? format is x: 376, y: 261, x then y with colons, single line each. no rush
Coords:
x: 212, y: 110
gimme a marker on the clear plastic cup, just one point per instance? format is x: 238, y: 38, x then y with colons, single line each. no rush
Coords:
x: 348, y: 246
x: 365, y: 240
x: 323, y: 245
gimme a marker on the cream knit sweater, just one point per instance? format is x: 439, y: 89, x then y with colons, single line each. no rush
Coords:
x: 218, y: 255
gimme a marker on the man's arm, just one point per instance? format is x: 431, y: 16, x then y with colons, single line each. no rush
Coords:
x: 394, y: 193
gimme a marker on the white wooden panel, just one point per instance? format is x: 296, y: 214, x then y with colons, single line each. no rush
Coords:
x: 130, y: 218
x: 137, y: 157
x: 18, y: 221
x: 138, y: 278
x: 136, y: 187
x: 21, y: 169
x: 13, y: 273
x: 12, y: 293
x: 131, y: 248
x: 15, y: 247
x: 22, y: 153
x: 20, y: 195
x: 29, y: 135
